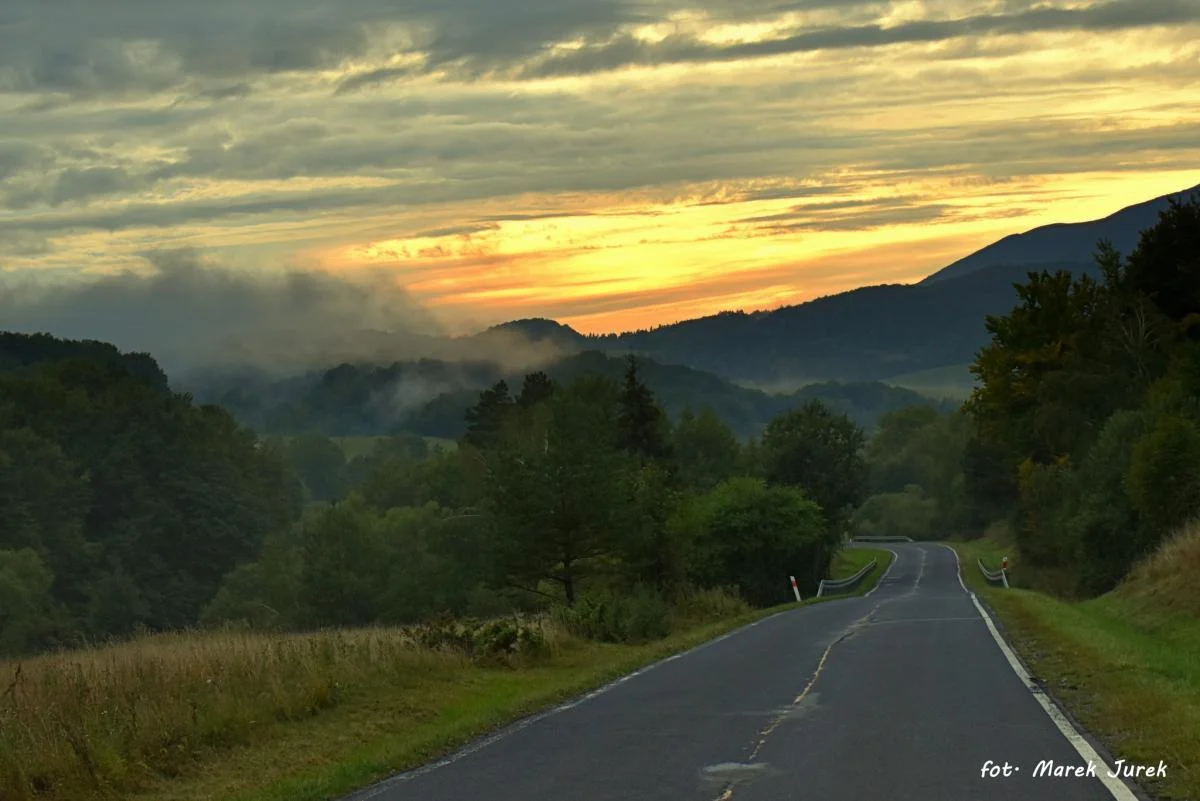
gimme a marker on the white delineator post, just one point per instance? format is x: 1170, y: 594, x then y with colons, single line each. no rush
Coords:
x: 795, y: 587
x: 1004, y: 570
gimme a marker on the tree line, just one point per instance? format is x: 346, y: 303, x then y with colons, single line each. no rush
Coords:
x: 430, y: 396
x: 125, y: 506
x: 568, y: 495
x: 1083, y: 434
x: 122, y: 504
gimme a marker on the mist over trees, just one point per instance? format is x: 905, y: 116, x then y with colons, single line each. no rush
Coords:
x: 125, y: 507
x: 430, y: 397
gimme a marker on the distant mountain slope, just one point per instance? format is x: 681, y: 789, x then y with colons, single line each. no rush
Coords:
x: 430, y: 397
x: 878, y: 333
x: 1065, y: 242
x: 533, y: 330
x: 867, y: 334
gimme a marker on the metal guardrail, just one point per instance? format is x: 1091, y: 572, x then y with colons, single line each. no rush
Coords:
x: 882, y: 539
x: 997, y: 578
x: 846, y: 585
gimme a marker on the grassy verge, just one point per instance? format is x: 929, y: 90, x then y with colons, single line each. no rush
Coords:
x: 258, y: 717
x: 1129, y: 672
x: 991, y: 553
x: 851, y: 560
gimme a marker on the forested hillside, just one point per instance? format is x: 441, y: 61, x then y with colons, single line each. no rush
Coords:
x: 580, y: 493
x: 126, y: 506
x: 122, y: 504
x: 867, y: 334
x: 1065, y: 243
x: 1084, y: 434
x: 430, y: 397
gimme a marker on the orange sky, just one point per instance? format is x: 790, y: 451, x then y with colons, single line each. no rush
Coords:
x: 612, y: 167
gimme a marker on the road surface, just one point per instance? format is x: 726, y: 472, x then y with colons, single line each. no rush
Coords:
x: 902, y: 694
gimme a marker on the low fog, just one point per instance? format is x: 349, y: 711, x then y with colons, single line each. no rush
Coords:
x: 197, y: 316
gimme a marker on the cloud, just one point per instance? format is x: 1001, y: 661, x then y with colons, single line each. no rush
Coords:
x: 457, y: 230
x: 372, y: 78
x: 300, y: 131
x: 196, y: 315
x: 626, y: 50
x: 74, y: 184
x: 187, y: 309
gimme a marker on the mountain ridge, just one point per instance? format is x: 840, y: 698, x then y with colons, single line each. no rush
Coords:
x: 1057, y: 242
x: 881, y: 331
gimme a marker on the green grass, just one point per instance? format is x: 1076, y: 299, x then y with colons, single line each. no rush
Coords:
x: 393, y: 728
x: 992, y: 553
x: 1126, y: 668
x: 235, y: 715
x: 851, y: 560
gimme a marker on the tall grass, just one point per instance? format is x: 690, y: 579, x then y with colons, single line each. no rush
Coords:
x: 1168, y: 579
x: 110, y: 721
x: 103, y: 722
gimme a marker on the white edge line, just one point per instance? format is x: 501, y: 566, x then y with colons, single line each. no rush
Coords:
x: 388, y: 783
x: 895, y: 558
x: 1114, y: 785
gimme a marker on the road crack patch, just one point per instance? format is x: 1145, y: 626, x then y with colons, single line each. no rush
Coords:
x: 796, y: 704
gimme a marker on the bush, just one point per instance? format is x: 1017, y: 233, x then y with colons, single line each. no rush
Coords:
x: 498, y: 641
x: 710, y: 605
x: 747, y: 533
x: 896, y: 514
x: 640, y: 616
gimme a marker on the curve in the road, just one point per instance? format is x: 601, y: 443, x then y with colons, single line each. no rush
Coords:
x: 899, y: 694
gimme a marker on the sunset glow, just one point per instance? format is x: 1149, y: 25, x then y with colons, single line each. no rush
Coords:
x: 609, y: 165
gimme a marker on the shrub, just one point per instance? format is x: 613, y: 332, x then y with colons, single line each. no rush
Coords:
x: 498, y: 641
x: 639, y: 616
x: 710, y: 605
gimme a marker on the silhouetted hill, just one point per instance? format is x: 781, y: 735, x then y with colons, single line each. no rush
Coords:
x: 23, y: 351
x: 876, y: 333
x: 1072, y: 243
x: 535, y: 330
x: 867, y: 334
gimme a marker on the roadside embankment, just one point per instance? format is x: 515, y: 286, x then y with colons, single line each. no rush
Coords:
x: 1126, y: 664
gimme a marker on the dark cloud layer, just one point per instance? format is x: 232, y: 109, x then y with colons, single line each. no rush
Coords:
x: 194, y: 314
x: 86, y: 49
x: 187, y: 309
x: 626, y: 51
x: 231, y: 124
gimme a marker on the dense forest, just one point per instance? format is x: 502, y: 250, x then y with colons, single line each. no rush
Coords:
x: 125, y: 506
x: 122, y: 504
x: 580, y: 494
x: 430, y: 397
x: 872, y: 333
x: 1084, y: 433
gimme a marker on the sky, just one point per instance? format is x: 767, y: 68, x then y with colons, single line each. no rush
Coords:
x: 442, y: 165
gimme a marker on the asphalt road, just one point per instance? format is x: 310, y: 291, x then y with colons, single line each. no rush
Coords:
x: 900, y: 695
